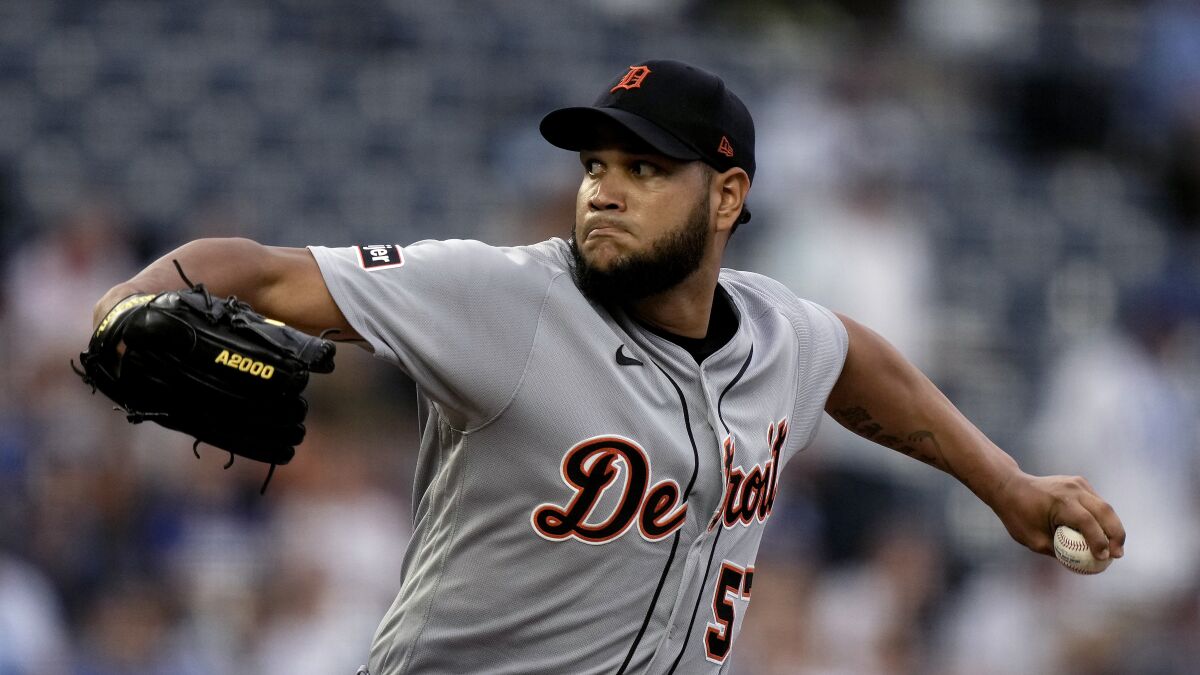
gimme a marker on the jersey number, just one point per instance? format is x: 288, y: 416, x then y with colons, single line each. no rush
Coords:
x: 732, y: 581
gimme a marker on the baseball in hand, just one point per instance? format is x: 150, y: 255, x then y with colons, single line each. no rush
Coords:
x: 1072, y: 550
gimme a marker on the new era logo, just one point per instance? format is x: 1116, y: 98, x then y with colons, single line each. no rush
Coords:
x: 725, y: 148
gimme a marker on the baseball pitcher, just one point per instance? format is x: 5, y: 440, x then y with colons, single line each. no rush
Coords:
x: 605, y: 417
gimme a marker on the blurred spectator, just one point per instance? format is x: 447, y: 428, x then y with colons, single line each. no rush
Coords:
x: 336, y: 555
x: 872, y: 618
x: 1008, y: 619
x: 132, y: 630
x: 54, y: 279
x: 1121, y: 409
x: 33, y: 635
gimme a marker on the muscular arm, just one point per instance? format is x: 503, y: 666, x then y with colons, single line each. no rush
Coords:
x: 882, y: 397
x: 281, y: 283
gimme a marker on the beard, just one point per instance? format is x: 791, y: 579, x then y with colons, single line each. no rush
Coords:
x: 639, y: 275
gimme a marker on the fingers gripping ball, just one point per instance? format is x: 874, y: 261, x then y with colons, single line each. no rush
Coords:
x: 1072, y: 551
x: 211, y: 368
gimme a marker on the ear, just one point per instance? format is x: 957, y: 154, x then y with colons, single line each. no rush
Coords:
x: 730, y: 189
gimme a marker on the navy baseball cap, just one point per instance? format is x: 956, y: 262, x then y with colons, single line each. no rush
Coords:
x: 679, y: 110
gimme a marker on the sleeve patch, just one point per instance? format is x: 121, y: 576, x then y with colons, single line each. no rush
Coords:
x: 379, y: 256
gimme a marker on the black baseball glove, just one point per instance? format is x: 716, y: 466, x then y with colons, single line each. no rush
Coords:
x: 212, y: 369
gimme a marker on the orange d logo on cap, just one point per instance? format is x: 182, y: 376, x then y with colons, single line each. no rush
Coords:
x: 633, y: 79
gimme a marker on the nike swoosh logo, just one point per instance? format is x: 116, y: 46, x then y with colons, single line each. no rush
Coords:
x: 625, y: 360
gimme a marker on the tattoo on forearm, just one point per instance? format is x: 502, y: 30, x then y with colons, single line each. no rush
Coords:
x: 938, y: 458
x: 920, y: 445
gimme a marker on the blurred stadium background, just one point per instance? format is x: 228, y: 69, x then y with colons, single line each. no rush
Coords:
x: 1007, y: 189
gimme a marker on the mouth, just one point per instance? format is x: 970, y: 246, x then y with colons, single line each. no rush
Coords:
x: 604, y: 228
x: 603, y: 232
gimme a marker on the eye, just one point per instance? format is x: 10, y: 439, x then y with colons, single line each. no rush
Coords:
x: 644, y: 169
x: 592, y: 167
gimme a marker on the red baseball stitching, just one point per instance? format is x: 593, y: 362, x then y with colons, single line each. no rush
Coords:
x: 1068, y: 544
x: 1060, y: 538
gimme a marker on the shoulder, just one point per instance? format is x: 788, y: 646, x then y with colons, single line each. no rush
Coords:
x: 756, y: 284
x: 553, y: 254
x: 759, y: 291
x: 761, y: 296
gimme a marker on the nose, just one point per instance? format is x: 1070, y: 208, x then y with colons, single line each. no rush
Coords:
x: 607, y: 194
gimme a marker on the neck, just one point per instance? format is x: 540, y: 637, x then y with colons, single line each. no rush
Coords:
x: 684, y: 309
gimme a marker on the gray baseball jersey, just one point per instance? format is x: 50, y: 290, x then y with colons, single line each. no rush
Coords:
x: 588, y: 498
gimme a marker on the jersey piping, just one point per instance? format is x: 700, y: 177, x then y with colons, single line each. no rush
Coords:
x: 687, y: 635
x: 687, y: 423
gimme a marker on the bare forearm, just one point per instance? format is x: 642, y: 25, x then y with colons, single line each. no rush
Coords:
x: 281, y: 283
x: 225, y: 266
x: 884, y: 398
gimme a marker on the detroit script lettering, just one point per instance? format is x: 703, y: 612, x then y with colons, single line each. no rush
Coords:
x: 589, y: 470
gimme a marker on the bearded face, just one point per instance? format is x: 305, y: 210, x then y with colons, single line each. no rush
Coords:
x: 659, y: 266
